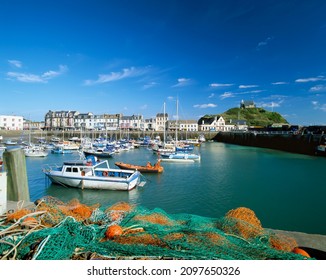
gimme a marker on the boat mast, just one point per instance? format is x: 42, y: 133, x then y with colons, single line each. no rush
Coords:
x: 164, y: 124
x: 176, y: 126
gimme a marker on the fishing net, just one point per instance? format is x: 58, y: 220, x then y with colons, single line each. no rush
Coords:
x: 62, y: 231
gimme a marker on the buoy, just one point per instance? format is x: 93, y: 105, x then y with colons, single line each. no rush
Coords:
x: 112, y: 231
x: 105, y: 173
x: 302, y: 252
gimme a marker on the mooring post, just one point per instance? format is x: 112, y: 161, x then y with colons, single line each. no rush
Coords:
x: 3, y: 192
x: 17, y: 184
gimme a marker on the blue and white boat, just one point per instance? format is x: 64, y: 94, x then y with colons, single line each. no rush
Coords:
x: 99, y: 152
x: 180, y: 157
x: 60, y: 150
x: 87, y: 174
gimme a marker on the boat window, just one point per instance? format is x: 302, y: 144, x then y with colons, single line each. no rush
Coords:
x: 68, y: 169
x: 75, y: 169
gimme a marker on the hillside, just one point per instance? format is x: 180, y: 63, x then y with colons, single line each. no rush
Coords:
x: 253, y: 116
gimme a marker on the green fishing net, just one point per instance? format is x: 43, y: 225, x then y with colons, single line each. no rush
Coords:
x: 73, y: 230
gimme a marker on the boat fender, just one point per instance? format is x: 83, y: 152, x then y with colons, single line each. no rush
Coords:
x: 83, y: 173
x: 105, y: 173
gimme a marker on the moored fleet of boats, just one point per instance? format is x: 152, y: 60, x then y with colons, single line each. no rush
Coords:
x: 92, y: 170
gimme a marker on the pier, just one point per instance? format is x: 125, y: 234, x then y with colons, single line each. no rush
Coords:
x: 284, y: 141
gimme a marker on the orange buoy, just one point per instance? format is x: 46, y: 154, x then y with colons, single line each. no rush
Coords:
x: 112, y: 231
x: 297, y: 250
x: 105, y: 173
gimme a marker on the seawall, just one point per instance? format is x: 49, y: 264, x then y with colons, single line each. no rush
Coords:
x: 300, y: 144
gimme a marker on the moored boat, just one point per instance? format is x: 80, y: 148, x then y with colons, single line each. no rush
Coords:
x: 99, y: 152
x: 183, y: 156
x: 60, y: 150
x: 35, y: 151
x: 86, y: 174
x: 148, y: 168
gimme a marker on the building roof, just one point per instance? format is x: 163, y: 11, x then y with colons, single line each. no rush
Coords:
x: 208, y: 120
x: 161, y: 115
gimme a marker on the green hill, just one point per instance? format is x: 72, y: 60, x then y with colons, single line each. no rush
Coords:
x: 253, y: 116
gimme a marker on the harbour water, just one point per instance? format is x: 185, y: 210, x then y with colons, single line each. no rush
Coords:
x: 286, y: 191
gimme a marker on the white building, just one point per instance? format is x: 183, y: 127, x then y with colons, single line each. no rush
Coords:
x: 161, y: 121
x: 216, y: 123
x: 11, y: 122
x: 188, y: 125
x: 84, y: 121
x: 134, y: 122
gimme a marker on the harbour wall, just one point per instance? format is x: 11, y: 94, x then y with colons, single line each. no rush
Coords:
x: 300, y: 144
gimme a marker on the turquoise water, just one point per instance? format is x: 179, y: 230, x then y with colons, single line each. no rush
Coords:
x: 286, y: 191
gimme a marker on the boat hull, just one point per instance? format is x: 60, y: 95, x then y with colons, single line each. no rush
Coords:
x: 96, y: 182
x: 99, y: 154
x: 140, y: 168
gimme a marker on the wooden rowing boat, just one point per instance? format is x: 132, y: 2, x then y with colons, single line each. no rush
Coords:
x: 148, y: 168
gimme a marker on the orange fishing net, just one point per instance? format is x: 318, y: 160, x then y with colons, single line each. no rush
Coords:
x: 16, y: 215
x: 144, y: 238
x: 154, y: 218
x: 243, y: 222
x: 120, y: 206
x: 282, y: 242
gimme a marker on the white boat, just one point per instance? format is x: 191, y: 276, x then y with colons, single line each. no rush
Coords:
x: 180, y: 156
x: 99, y: 152
x: 35, y: 152
x: 68, y: 145
x: 10, y: 143
x: 93, y: 175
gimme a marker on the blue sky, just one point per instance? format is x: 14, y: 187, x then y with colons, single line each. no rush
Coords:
x: 132, y: 56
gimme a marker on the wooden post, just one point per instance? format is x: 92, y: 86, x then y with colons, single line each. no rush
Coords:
x: 17, y: 184
x: 3, y: 192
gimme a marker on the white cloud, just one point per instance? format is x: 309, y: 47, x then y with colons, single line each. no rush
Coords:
x: 252, y: 91
x: 115, y: 76
x: 33, y: 78
x: 312, y: 79
x: 247, y: 86
x: 318, y: 106
x: 271, y: 104
x: 276, y: 96
x: 211, y: 95
x: 15, y: 63
x: 170, y: 98
x: 280, y: 83
x: 144, y: 107
x: 25, y: 77
x: 150, y: 85
x: 263, y: 43
x: 52, y: 74
x: 182, y: 82
x: 318, y: 88
x: 227, y: 95
x: 220, y: 85
x: 204, y: 106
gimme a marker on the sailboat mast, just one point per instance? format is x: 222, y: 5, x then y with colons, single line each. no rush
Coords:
x: 164, y: 121
x: 176, y: 126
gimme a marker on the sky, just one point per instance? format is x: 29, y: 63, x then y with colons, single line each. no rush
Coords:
x: 132, y: 56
